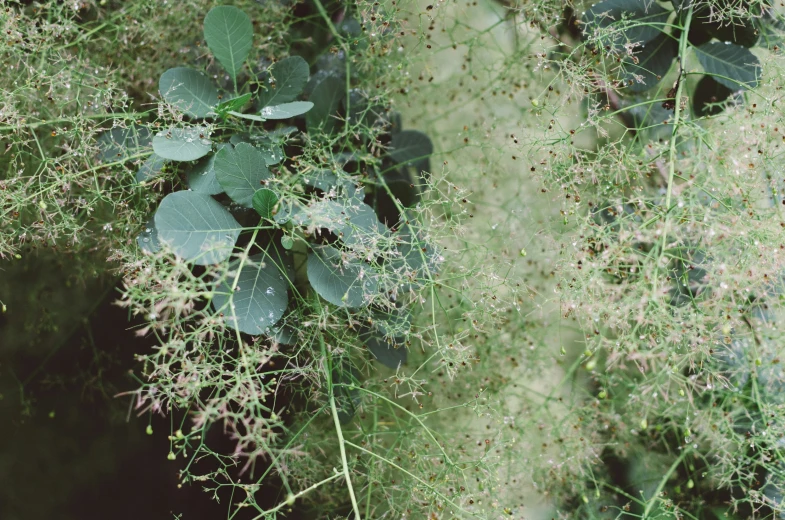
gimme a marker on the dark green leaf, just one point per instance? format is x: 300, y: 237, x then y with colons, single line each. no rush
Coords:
x: 411, y: 147
x: 196, y: 227
x: 732, y: 65
x: 151, y: 167
x: 240, y: 172
x: 289, y: 77
x: 654, y: 61
x: 259, y: 299
x: 182, y: 144
x: 390, y: 352
x: 286, y: 110
x: 636, y: 20
x: 326, y: 98
x: 264, y: 201
x: 708, y: 92
x: 201, y: 178
x: 148, y: 238
x: 122, y: 144
x: 229, y: 35
x: 346, y: 283
x: 352, y: 221
x: 189, y: 91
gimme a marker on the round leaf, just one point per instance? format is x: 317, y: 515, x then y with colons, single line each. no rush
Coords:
x: 148, y: 238
x: 709, y: 92
x: 731, y: 65
x: 240, y: 172
x: 196, y: 227
x: 264, y: 201
x: 151, y: 167
x: 286, y: 110
x: 654, y: 60
x: 119, y: 144
x: 390, y: 353
x: 182, y: 144
x: 229, y: 35
x: 411, y: 147
x: 259, y: 299
x: 348, y: 283
x: 189, y: 90
x: 289, y: 77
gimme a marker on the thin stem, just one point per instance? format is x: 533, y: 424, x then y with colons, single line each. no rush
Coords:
x: 338, y: 429
x: 663, y: 480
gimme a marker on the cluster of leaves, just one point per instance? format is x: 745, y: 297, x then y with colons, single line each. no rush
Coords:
x: 643, y: 37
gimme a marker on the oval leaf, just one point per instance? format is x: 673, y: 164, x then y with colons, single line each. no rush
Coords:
x: 731, y: 65
x: 259, y: 299
x: 348, y: 283
x: 264, y: 201
x: 289, y: 77
x: 390, y: 353
x: 229, y: 35
x: 412, y: 148
x: 241, y: 171
x: 201, y: 178
x: 151, y: 167
x: 196, y: 227
x: 182, y: 144
x: 709, y: 94
x: 189, y: 90
x: 120, y: 144
x: 654, y: 61
x: 326, y: 98
x: 286, y: 110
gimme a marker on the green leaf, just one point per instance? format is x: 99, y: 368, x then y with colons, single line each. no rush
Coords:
x: 148, y: 238
x: 151, y: 167
x: 121, y: 144
x: 189, y: 91
x: 709, y: 92
x: 326, y: 98
x: 241, y: 171
x: 411, y: 147
x: 654, y: 61
x: 353, y: 222
x: 289, y: 77
x: 731, y: 65
x: 286, y: 110
x: 419, y: 260
x: 201, y: 177
x: 229, y: 35
x: 232, y: 104
x: 327, y: 180
x: 196, y: 227
x: 346, y: 283
x: 259, y: 299
x: 264, y: 201
x: 638, y: 21
x: 182, y: 144
x: 390, y: 352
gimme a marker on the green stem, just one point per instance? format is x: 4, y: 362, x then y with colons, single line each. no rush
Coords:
x: 665, y: 477
x: 339, y: 432
x: 672, y: 149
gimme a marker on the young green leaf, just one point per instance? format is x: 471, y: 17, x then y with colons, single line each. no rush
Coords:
x: 326, y: 98
x: 232, y: 104
x: 182, y: 144
x: 264, y: 201
x: 229, y: 35
x: 189, y: 91
x: 289, y: 77
x: 196, y: 227
x: 286, y: 110
x: 346, y: 283
x: 259, y: 299
x: 731, y: 65
x: 240, y: 172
